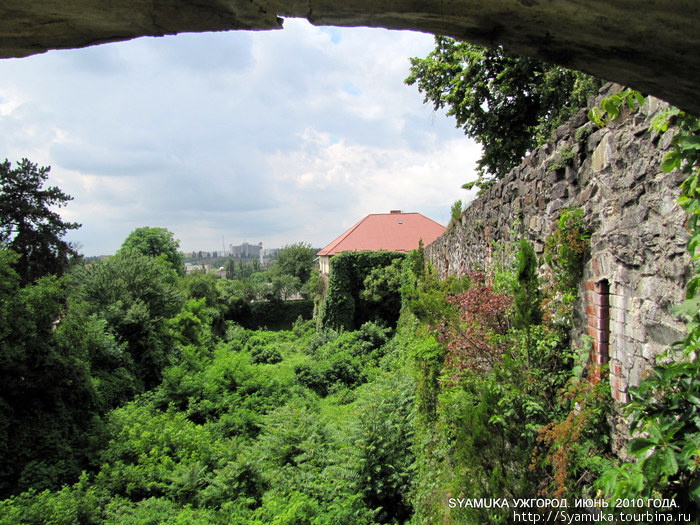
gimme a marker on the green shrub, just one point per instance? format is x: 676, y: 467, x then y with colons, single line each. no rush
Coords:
x: 383, y: 438
x: 265, y: 355
x: 565, y: 253
x: 80, y: 503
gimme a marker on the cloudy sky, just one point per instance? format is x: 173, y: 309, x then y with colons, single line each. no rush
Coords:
x: 275, y: 137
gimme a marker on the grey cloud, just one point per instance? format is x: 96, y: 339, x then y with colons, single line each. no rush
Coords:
x: 189, y: 132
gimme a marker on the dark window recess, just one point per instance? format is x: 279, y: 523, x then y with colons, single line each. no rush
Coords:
x: 602, y: 338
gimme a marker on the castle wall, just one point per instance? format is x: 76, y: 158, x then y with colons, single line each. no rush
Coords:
x: 638, y: 264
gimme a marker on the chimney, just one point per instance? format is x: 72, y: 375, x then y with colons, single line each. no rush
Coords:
x: 395, y: 211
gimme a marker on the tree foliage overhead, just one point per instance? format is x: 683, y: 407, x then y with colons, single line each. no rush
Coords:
x: 508, y: 104
x: 29, y: 225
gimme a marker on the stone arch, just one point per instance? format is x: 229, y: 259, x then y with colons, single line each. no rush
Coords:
x: 653, y: 49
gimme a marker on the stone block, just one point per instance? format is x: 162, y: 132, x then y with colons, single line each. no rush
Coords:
x: 664, y: 334
x: 636, y: 372
x: 541, y: 203
x: 649, y: 312
x: 617, y: 301
x: 560, y: 191
x: 602, y: 301
x: 635, y: 330
x: 616, y: 369
x: 595, y: 138
x: 571, y: 175
x: 615, y: 382
x: 554, y: 206
x: 535, y: 224
x: 649, y: 352
x: 602, y: 155
x: 619, y: 350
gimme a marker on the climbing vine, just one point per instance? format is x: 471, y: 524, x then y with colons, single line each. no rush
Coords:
x: 565, y: 252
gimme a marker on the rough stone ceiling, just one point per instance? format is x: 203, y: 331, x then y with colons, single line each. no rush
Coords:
x: 651, y: 45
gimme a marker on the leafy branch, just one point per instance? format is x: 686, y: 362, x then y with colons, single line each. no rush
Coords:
x: 611, y: 107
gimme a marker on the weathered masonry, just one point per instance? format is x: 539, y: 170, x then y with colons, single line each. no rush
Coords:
x: 638, y: 262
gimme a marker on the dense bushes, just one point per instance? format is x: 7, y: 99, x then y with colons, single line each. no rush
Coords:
x: 473, y: 393
x: 276, y: 315
x: 133, y: 294
x: 505, y: 409
x: 47, y: 398
x: 233, y: 436
x: 135, y: 376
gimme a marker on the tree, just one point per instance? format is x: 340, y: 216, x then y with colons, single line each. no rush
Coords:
x: 241, y: 270
x: 508, y: 104
x: 283, y: 287
x: 134, y: 294
x: 296, y: 260
x: 156, y: 242
x: 46, y: 395
x: 28, y: 225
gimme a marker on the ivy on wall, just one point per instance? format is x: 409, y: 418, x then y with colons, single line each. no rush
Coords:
x: 344, y: 307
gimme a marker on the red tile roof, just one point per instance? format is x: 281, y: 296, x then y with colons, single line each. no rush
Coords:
x: 395, y: 231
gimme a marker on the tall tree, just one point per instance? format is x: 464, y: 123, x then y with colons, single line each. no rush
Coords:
x: 156, y: 242
x: 508, y: 104
x: 46, y: 395
x: 296, y: 260
x: 29, y: 225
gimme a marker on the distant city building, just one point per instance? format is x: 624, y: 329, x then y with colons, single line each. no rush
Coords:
x: 197, y: 267
x: 243, y: 253
x: 270, y: 253
x: 247, y: 251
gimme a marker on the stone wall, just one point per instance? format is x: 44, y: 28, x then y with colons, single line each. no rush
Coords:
x: 638, y: 263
